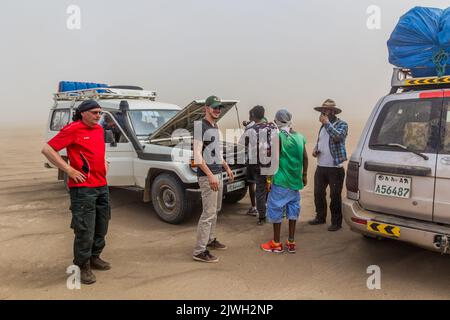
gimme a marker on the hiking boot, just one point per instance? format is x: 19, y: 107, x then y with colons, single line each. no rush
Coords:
x: 290, y: 246
x: 215, y: 244
x: 99, y: 264
x: 271, y: 246
x: 86, y: 275
x: 261, y: 222
x: 334, y: 227
x: 252, y: 212
x: 205, y: 256
x: 316, y: 221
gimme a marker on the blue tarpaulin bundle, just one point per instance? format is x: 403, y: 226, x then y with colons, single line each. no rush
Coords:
x: 421, y: 42
x: 75, y: 85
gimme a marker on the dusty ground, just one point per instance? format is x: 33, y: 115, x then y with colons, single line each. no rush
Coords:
x: 152, y: 259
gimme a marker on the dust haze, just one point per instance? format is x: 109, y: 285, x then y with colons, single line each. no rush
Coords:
x: 291, y: 54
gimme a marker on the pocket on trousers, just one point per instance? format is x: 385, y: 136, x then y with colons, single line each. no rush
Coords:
x: 78, y: 222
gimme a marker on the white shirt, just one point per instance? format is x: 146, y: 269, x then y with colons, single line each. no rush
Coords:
x: 324, y: 158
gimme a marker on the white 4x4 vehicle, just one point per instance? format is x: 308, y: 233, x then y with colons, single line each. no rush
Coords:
x: 398, y: 178
x: 140, y: 142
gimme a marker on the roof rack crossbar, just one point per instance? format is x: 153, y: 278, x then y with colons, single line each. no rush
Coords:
x: 403, y: 79
x: 104, y: 93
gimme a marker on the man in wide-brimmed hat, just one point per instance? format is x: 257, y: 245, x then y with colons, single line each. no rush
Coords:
x: 331, y: 154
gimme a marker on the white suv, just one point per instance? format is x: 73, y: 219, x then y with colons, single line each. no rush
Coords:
x: 140, y: 142
x: 398, y: 178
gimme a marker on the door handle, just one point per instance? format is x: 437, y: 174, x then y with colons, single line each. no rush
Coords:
x: 398, y: 169
x: 445, y: 161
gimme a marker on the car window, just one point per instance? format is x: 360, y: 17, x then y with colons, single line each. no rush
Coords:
x: 411, y: 123
x: 114, y: 122
x: 446, y: 128
x: 60, y: 118
x: 145, y: 122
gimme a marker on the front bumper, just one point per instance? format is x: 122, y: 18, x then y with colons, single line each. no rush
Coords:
x: 240, y: 175
x: 420, y: 233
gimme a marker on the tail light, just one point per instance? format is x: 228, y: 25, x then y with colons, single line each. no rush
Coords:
x: 359, y: 221
x: 352, y: 179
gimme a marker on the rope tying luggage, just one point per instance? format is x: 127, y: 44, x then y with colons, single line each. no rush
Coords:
x: 440, y: 59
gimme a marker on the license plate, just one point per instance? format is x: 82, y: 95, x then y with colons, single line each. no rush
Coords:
x: 382, y: 228
x: 235, y: 186
x: 393, y: 186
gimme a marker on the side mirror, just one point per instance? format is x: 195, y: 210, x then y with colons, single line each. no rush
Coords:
x: 109, y: 138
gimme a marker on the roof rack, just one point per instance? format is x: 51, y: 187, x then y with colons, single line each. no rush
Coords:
x: 104, y: 93
x: 402, y: 79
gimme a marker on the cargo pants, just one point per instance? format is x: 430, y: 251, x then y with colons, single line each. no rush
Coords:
x: 91, y: 213
x: 211, y: 203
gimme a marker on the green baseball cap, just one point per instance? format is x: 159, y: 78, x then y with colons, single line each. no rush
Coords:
x: 213, y: 102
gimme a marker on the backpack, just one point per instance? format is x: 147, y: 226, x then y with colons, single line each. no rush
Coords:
x: 262, y: 128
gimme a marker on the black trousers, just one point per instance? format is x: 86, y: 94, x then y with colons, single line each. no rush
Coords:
x: 254, y: 176
x: 261, y: 194
x: 333, y: 177
x: 91, y: 213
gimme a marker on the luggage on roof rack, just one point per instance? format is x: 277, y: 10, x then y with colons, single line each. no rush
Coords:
x: 421, y: 42
x: 75, y: 85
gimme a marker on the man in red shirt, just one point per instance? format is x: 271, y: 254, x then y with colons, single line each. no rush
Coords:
x: 89, y: 195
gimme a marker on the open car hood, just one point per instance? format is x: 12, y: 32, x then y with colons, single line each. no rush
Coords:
x: 186, y: 117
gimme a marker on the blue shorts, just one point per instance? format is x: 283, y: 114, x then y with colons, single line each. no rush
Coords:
x: 280, y: 198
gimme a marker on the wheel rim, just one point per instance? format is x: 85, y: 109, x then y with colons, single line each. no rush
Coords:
x: 167, y: 198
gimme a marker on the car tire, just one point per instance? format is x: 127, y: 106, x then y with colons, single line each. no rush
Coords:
x: 235, y: 196
x: 169, y: 199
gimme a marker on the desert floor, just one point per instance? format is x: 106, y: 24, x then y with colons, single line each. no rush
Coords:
x: 153, y: 260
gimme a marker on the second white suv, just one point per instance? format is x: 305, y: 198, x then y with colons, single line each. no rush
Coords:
x: 398, y: 178
x: 140, y: 143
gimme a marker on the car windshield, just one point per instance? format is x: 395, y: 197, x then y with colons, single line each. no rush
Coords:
x: 145, y: 122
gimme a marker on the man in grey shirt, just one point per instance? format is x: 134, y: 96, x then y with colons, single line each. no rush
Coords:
x: 208, y: 158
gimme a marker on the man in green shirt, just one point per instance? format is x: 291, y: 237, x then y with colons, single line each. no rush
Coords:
x: 287, y: 182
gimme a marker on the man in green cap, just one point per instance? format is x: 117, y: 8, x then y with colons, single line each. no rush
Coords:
x: 208, y: 158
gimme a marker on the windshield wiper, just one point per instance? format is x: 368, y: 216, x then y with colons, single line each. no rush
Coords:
x: 399, y: 146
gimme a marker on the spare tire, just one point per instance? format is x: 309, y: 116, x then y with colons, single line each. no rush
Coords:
x: 127, y: 87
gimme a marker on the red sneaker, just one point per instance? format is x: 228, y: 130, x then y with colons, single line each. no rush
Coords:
x: 290, y: 246
x: 271, y: 246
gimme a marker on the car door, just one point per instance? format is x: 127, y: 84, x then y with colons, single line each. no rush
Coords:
x: 442, y: 193
x: 120, y: 153
x: 393, y: 180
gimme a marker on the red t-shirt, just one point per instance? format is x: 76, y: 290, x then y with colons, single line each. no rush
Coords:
x: 86, y: 151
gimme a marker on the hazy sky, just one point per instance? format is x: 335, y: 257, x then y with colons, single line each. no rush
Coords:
x: 281, y: 53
